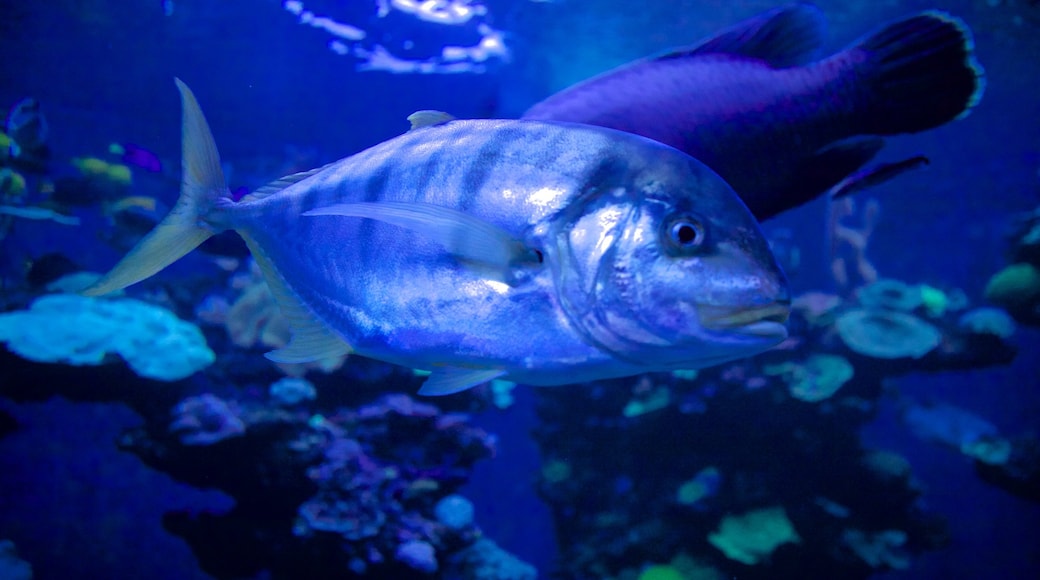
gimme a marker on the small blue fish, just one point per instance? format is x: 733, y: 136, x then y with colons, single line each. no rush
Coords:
x: 781, y: 126
x: 540, y: 253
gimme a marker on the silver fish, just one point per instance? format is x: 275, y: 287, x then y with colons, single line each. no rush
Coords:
x: 543, y: 253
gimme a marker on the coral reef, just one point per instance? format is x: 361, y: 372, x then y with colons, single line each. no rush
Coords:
x: 619, y: 455
x: 333, y: 477
x: 1016, y: 288
x: 361, y: 491
x: 78, y: 330
x: 887, y: 333
x: 484, y: 560
x: 11, y: 566
x: 752, y: 537
x: 848, y: 243
x: 253, y: 320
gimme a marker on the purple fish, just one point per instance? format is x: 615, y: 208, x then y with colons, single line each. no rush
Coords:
x: 140, y: 157
x: 781, y: 126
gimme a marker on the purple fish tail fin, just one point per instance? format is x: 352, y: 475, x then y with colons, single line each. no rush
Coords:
x: 196, y: 216
x: 921, y: 72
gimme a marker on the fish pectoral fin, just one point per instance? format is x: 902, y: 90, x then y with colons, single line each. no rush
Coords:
x: 784, y: 37
x: 876, y: 175
x: 447, y: 381
x: 428, y: 118
x: 480, y: 245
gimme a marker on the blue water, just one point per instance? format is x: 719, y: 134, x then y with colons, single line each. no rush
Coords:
x: 279, y: 100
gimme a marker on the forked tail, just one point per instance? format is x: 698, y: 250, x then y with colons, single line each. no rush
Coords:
x: 195, y: 216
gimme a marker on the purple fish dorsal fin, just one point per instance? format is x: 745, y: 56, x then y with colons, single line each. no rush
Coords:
x: 784, y: 37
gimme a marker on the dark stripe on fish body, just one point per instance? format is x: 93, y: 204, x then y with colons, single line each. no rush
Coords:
x: 548, y: 148
x: 431, y: 172
x: 604, y: 174
x: 481, y: 167
x: 375, y: 190
x: 375, y: 187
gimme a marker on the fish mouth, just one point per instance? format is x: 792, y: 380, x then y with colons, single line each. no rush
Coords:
x: 765, y: 321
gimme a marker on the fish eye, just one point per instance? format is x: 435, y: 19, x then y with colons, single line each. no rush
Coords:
x: 684, y: 232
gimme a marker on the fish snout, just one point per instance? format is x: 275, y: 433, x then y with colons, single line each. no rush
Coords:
x: 759, y: 309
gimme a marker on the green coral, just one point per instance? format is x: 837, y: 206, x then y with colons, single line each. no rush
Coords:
x: 502, y: 393
x: 78, y: 330
x: 654, y: 400
x: 701, y: 486
x: 886, y: 333
x: 1016, y: 288
x: 556, y: 471
x: 934, y: 300
x: 890, y: 294
x: 815, y: 379
x: 661, y: 572
x: 681, y: 567
x: 751, y: 537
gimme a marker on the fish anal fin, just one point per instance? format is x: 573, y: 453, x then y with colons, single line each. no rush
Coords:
x: 784, y: 37
x: 447, y: 381
x: 311, y: 339
x: 818, y: 174
x: 876, y: 175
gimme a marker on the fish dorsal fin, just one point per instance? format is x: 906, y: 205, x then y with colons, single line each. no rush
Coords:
x: 427, y: 118
x: 784, y: 37
x: 311, y: 340
x: 447, y: 381
x: 280, y: 184
x: 482, y: 246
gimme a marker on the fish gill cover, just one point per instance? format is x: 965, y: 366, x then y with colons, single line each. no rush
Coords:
x: 889, y: 430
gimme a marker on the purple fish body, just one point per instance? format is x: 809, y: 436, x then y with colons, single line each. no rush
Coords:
x: 140, y: 157
x: 781, y: 126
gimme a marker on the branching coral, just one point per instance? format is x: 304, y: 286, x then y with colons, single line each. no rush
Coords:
x: 848, y: 243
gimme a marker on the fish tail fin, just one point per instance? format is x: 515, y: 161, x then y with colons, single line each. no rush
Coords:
x: 195, y: 217
x: 922, y: 74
